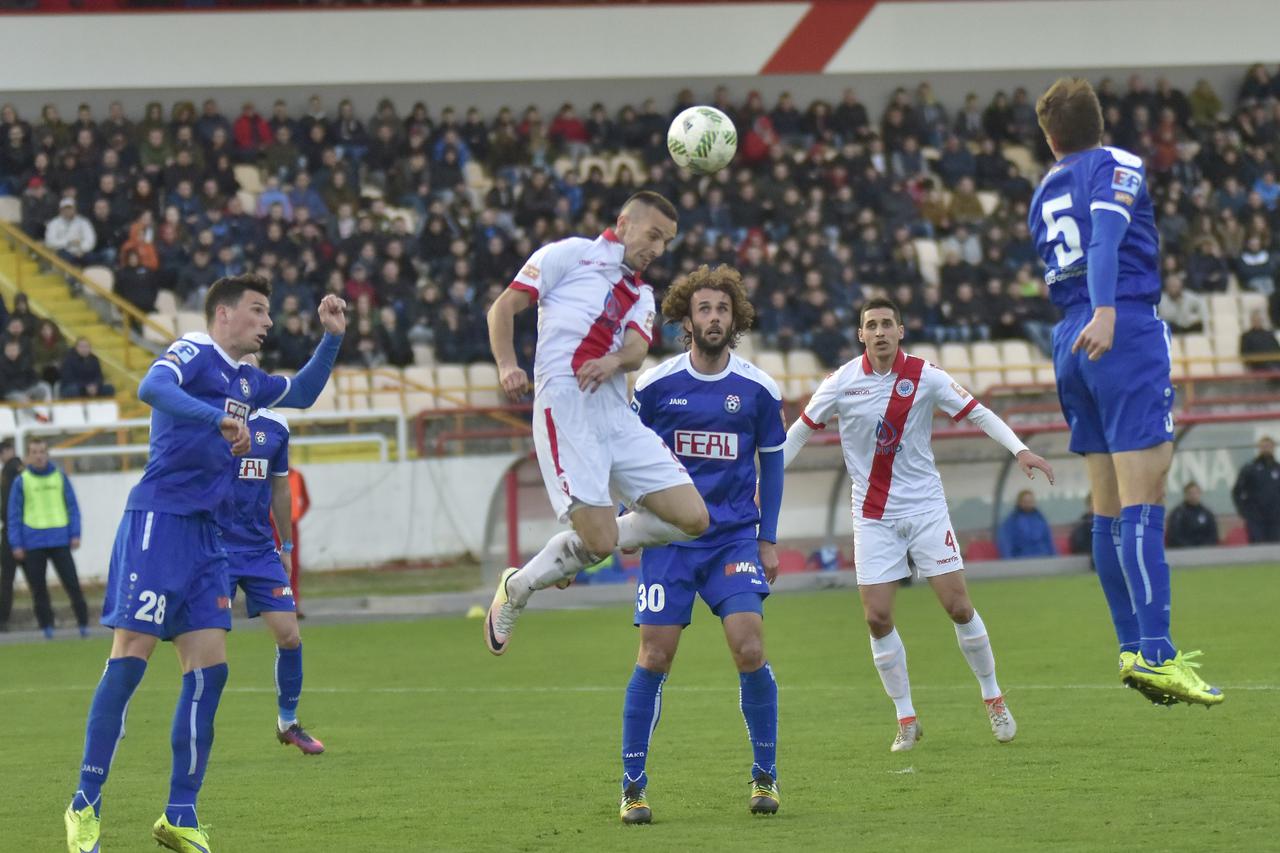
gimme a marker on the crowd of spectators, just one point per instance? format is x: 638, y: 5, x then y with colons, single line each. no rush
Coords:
x: 37, y: 365
x: 820, y: 209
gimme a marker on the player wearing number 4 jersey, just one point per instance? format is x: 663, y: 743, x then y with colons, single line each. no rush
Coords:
x: 1094, y: 227
x: 168, y: 574
x: 885, y: 402
x: 595, y: 318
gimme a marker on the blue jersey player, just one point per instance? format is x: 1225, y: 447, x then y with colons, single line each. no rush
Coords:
x: 717, y: 413
x: 168, y: 574
x: 261, y: 493
x: 1094, y: 228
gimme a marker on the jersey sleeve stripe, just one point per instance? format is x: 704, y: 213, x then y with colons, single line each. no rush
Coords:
x: 288, y: 383
x: 525, y: 288
x: 774, y: 449
x: 171, y: 366
x: 634, y: 325
x: 1114, y: 208
x: 964, y: 413
x: 810, y: 423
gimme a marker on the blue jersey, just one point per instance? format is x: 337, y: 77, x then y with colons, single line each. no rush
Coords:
x: 715, y: 425
x: 245, y: 519
x: 190, y: 469
x: 1061, y: 222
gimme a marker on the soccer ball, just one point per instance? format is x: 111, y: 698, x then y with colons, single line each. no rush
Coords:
x: 702, y: 139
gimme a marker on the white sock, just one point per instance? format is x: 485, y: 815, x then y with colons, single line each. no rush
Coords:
x: 283, y: 725
x: 642, y: 529
x: 976, y: 646
x: 562, y: 557
x: 890, y: 657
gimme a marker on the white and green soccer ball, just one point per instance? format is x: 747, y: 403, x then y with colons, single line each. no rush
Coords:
x: 702, y: 139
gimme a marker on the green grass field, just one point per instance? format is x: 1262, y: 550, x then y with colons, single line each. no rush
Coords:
x: 434, y: 745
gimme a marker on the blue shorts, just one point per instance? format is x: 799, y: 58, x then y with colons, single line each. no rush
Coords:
x: 262, y: 577
x: 168, y: 575
x: 672, y: 576
x: 1124, y: 400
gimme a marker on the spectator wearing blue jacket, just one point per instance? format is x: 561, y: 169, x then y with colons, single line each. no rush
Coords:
x: 44, y: 524
x: 1025, y: 533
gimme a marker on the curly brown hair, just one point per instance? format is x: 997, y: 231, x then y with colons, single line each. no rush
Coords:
x: 726, y: 280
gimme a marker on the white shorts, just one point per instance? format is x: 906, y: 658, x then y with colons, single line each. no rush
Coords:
x: 881, y: 546
x: 594, y: 451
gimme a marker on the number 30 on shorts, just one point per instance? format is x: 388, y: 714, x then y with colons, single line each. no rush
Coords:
x: 152, y: 609
x: 652, y: 598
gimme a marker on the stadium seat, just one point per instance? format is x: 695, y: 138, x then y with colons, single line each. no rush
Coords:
x: 166, y: 303
x: 419, y: 385
x: 249, y: 178
x: 1236, y: 537
x: 451, y: 386
x: 1175, y: 355
x: 982, y: 549
x: 990, y: 201
x: 483, y: 386
x: 1199, y: 355
x: 328, y: 399
x: 8, y: 422
x: 955, y: 360
x: 1017, y: 361
x: 385, y: 389
x: 985, y: 358
x: 926, y: 351
x: 101, y: 276
x: 746, y: 348
x: 774, y: 363
x: 165, y: 321
x: 353, y: 388
x: 1224, y: 313
x: 790, y: 562
x: 631, y: 161
x: 100, y: 412
x: 248, y: 200
x: 1044, y: 372
x: 423, y: 355
x: 804, y: 374
x: 67, y: 414
x: 1250, y: 302
x: 928, y: 257
x: 1226, y: 348
x: 1022, y: 157
x: 10, y: 208
x: 190, y: 321
x: 591, y: 161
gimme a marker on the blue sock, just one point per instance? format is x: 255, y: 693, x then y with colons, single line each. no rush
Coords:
x: 288, y: 682
x: 1142, y: 529
x: 758, y: 694
x: 105, y: 727
x: 1107, y: 547
x: 192, y: 739
x: 640, y: 712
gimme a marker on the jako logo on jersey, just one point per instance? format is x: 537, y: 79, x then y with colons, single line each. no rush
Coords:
x: 1125, y: 180
x: 237, y: 410
x: 678, y: 401
x: 253, y: 469
x: 746, y: 567
x: 260, y: 437
x: 244, y: 387
x: 886, y: 438
x: 732, y: 403
x: 905, y: 387
x: 706, y: 445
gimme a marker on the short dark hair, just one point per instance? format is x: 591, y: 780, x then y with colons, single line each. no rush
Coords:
x: 657, y: 201
x: 879, y: 302
x: 37, y: 439
x: 6, y: 445
x: 228, y: 290
x: 1070, y: 115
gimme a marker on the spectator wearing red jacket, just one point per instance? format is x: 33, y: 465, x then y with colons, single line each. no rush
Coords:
x: 251, y: 133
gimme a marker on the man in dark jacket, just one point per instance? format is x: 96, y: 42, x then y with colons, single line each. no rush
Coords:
x: 81, y: 374
x: 43, y: 523
x: 1257, y: 494
x: 1191, y: 524
x: 1025, y: 533
x: 12, y: 467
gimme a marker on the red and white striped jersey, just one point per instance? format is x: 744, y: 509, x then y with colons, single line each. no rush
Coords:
x: 587, y: 299
x: 886, y: 431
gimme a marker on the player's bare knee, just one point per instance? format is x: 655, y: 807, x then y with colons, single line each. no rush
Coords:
x: 961, y: 612
x: 288, y: 639
x: 748, y: 654
x: 880, y: 622
x: 655, y: 657
x: 600, y: 542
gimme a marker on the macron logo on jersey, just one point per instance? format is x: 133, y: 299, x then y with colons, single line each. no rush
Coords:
x: 1126, y: 180
x: 706, y: 445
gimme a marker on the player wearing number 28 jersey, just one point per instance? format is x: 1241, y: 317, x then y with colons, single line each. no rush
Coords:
x: 1094, y: 228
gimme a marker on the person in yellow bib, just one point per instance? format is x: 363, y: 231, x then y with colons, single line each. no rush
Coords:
x: 44, y: 524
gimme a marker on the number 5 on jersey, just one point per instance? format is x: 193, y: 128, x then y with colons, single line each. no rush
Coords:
x: 1069, y: 250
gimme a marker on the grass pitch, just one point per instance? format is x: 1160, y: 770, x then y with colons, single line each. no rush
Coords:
x: 434, y: 745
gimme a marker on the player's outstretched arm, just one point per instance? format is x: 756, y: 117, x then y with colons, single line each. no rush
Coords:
x: 594, y: 373
x: 501, y: 317
x: 304, y: 389
x: 991, y: 423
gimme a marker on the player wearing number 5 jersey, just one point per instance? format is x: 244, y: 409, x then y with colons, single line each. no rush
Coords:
x: 885, y: 402
x: 168, y: 574
x: 1094, y: 227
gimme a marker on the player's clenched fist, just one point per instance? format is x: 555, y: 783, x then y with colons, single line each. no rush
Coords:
x: 515, y: 382
x: 333, y: 314
x: 236, y: 434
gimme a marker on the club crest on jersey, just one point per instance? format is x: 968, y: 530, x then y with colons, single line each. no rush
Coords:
x: 244, y: 387
x: 886, y: 438
x: 732, y: 403
x: 905, y: 388
x: 260, y: 437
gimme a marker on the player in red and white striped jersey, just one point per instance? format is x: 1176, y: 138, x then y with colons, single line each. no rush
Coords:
x: 595, y: 321
x: 885, y: 401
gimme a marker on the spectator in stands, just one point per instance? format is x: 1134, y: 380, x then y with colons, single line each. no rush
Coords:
x: 136, y: 283
x: 1191, y: 524
x: 10, y: 468
x: 69, y: 234
x: 1080, y: 540
x: 1207, y: 270
x: 81, y: 373
x: 142, y: 242
x: 1255, y: 267
x: 19, y: 382
x: 39, y: 206
x: 393, y: 340
x: 1025, y: 532
x: 251, y: 133
x: 1183, y: 310
x: 47, y: 351
x: 830, y: 343
x: 43, y: 524
x: 1256, y: 494
x: 27, y: 321
x: 195, y: 279
x: 1258, y: 346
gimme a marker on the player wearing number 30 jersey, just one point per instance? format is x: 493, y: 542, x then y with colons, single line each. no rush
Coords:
x: 885, y: 402
x: 1094, y: 227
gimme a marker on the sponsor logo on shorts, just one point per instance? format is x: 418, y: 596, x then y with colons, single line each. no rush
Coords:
x: 706, y: 445
x: 253, y: 469
x: 953, y: 558
x: 282, y: 592
x: 224, y: 602
x: 744, y: 567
